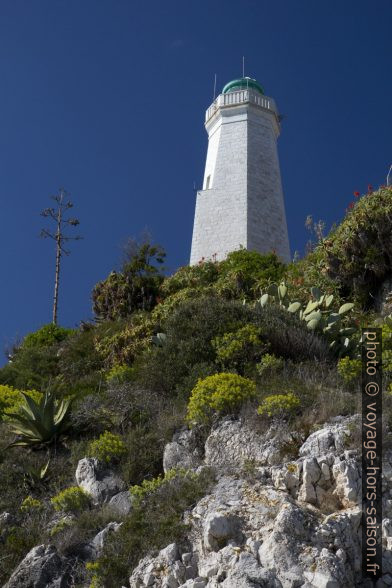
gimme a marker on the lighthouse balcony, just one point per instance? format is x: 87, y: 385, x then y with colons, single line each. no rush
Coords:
x: 241, y: 97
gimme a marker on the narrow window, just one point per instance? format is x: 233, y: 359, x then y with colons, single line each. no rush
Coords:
x: 208, y: 182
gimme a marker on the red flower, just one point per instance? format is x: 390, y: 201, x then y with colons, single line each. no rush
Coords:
x: 356, y: 194
x: 351, y: 205
x: 370, y: 188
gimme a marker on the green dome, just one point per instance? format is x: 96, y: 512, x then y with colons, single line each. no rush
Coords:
x: 242, y: 84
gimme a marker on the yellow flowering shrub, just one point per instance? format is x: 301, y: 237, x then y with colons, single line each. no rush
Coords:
x: 119, y: 374
x: 238, y: 347
x: 108, y: 447
x: 31, y: 504
x: 12, y: 398
x: 279, y: 405
x: 349, y: 369
x: 269, y: 363
x: 220, y: 394
x: 71, y: 499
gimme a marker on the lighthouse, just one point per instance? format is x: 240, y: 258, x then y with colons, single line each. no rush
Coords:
x: 241, y: 203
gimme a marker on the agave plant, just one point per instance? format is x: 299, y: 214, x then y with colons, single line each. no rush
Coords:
x: 40, y: 423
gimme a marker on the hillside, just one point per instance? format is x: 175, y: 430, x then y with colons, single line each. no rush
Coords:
x: 204, y: 429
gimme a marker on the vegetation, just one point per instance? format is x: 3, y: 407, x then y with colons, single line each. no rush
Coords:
x: 155, y: 521
x: 72, y: 499
x: 279, y: 405
x: 135, y: 287
x: 219, y: 394
x: 11, y: 399
x: 248, y: 337
x: 357, y: 253
x: 109, y: 447
x: 38, y: 423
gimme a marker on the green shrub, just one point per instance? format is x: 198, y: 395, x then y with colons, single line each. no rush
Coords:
x: 80, y: 363
x: 244, y: 272
x: 270, y: 363
x: 31, y: 504
x: 140, y: 491
x: 130, y: 339
x: 119, y: 374
x: 136, y: 287
x: 168, y: 306
x: 236, y: 349
x: 357, y: 254
x: 193, y: 326
x: 288, y: 337
x: 31, y: 368
x: 349, y: 369
x: 219, y: 394
x: 279, y: 405
x: 155, y: 521
x: 241, y: 274
x: 46, y: 336
x: 35, y: 361
x: 190, y: 330
x: 107, y: 448
x: 72, y: 499
x: 199, y: 276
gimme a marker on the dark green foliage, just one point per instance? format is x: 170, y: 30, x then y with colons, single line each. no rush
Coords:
x: 153, y: 523
x: 244, y: 272
x: 288, y: 336
x: 46, y: 336
x: 31, y: 368
x: 194, y: 325
x: 240, y: 275
x: 144, y: 457
x: 190, y: 330
x: 134, y: 288
x: 357, y: 255
x: 34, y: 363
x: 80, y: 363
x: 197, y: 276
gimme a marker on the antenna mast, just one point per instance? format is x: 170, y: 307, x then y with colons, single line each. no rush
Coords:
x: 214, y: 86
x: 243, y: 66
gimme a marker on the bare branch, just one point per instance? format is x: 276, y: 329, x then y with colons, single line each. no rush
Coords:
x: 61, y: 221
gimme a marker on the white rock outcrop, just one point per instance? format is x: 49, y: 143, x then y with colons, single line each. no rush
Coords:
x: 97, y: 481
x: 295, y: 524
x: 41, y: 568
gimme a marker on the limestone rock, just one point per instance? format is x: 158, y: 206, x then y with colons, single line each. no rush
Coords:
x: 121, y: 503
x: 183, y: 451
x: 41, y: 568
x: 166, y: 570
x: 331, y: 438
x: 348, y: 481
x: 97, y: 544
x: 100, y: 483
x: 219, y: 528
x: 247, y: 573
x: 297, y: 523
x: 231, y: 443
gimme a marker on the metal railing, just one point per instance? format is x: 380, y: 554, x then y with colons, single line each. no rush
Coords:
x: 240, y: 97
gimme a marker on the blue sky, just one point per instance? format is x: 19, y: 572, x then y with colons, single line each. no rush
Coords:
x: 107, y: 98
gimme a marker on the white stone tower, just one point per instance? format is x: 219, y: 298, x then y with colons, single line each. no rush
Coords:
x: 241, y: 203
